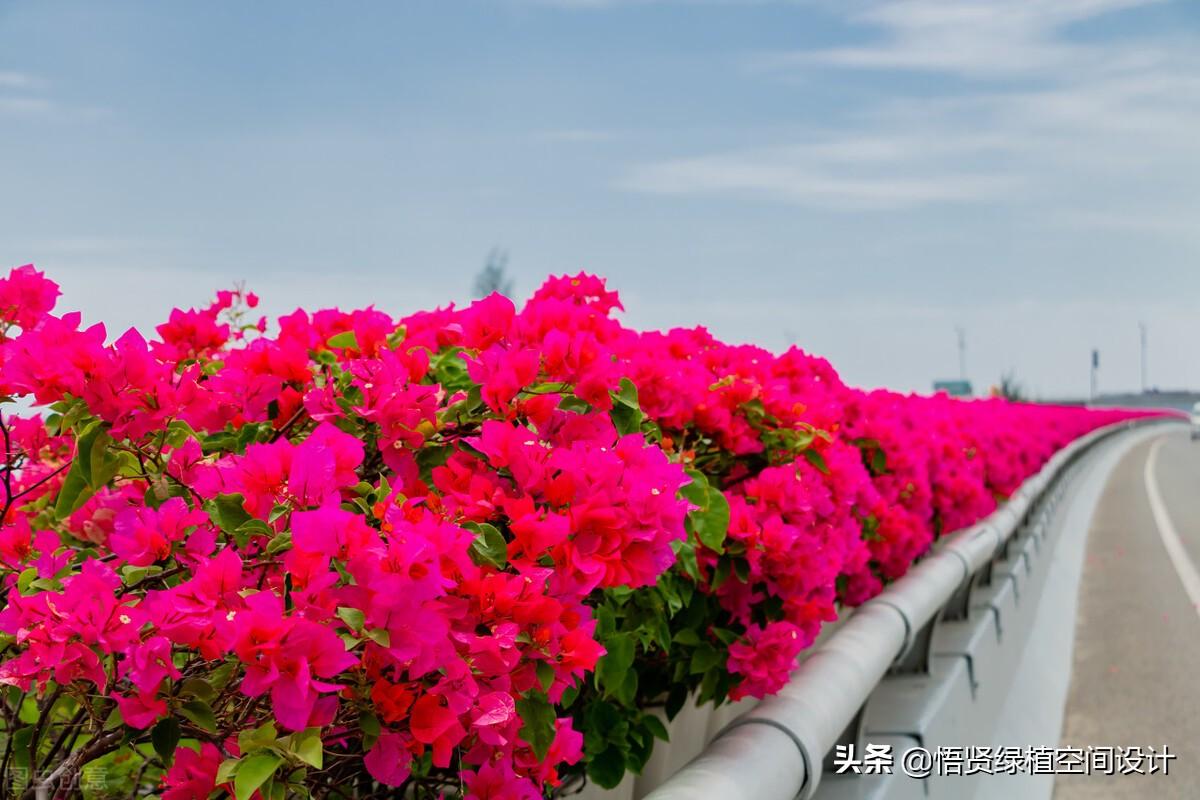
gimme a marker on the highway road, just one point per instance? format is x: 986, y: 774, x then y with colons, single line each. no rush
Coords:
x: 1135, y: 677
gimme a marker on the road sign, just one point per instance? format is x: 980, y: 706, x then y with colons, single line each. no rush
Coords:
x: 953, y: 388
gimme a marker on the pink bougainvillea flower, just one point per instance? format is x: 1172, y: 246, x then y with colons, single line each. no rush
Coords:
x: 142, y: 536
x: 193, y: 776
x: 142, y: 709
x: 388, y: 761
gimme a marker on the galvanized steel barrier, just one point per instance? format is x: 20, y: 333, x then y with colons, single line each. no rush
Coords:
x: 966, y: 592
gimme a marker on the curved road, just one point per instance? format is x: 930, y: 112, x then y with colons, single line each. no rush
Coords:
x: 1136, y: 674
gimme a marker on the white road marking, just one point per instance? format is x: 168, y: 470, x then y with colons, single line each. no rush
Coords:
x: 1166, y: 530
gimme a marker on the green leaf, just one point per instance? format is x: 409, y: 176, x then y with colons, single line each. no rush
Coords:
x: 258, y: 738
x: 569, y: 696
x: 613, y: 665
x: 219, y: 677
x: 540, y: 722
x: 255, y: 527
x: 20, y: 740
x: 308, y: 747
x: 165, y: 738
x: 627, y: 393
x: 178, y: 432
x: 627, y: 694
x: 817, y: 460
x: 545, y: 673
x: 704, y: 658
x: 489, y: 546
x: 197, y: 688
x: 656, y: 727
x: 685, y: 554
x: 346, y: 339
x: 25, y: 580
x: 101, y: 464
x: 626, y: 412
x: 352, y: 617
x: 134, y: 575
x: 368, y: 723
x: 126, y: 465
x: 278, y: 543
x: 86, y: 442
x: 449, y: 370
x: 201, y: 713
x: 741, y: 568
x: 28, y: 712
x: 73, y: 494
x: 380, y: 637
x: 721, y: 572
x: 227, y: 511
x: 727, y: 636
x: 92, y: 467
x: 226, y: 771
x: 676, y: 699
x: 253, y: 772
x: 570, y: 402
x: 607, y: 768
x: 626, y: 420
x: 709, y: 520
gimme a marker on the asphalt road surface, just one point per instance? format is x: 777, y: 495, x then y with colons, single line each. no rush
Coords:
x: 1136, y: 675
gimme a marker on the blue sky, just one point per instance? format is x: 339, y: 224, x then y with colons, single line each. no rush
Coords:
x: 857, y: 176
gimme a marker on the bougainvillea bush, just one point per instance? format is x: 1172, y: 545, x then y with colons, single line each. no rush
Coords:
x: 469, y: 552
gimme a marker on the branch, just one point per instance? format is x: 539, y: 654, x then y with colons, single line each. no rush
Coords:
x: 67, y: 769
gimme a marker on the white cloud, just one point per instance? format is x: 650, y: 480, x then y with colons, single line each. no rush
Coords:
x: 11, y: 79
x: 24, y: 94
x: 978, y: 38
x: 605, y: 4
x: 25, y: 106
x: 1035, y: 120
x: 820, y: 174
x: 20, y: 99
x: 577, y: 135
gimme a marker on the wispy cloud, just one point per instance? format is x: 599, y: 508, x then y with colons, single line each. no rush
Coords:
x: 25, y: 106
x: 21, y: 94
x: 607, y: 4
x: 24, y: 94
x: 11, y: 79
x: 1033, y: 118
x: 858, y: 174
x: 577, y: 135
x: 980, y: 38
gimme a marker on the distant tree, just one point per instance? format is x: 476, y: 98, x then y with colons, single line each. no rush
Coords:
x: 1009, y: 388
x: 494, y: 277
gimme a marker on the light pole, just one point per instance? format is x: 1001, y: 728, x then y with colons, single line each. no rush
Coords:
x: 1142, y: 336
x: 962, y: 353
x: 1095, y: 369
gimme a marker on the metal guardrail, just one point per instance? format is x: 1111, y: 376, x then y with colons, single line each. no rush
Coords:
x: 776, y: 751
